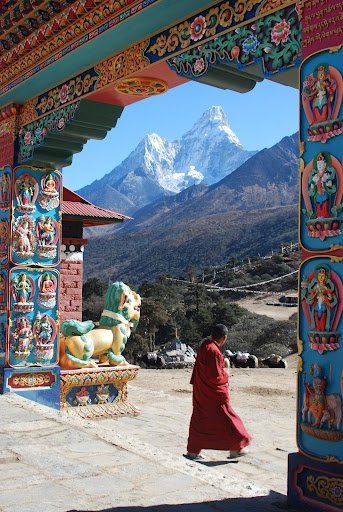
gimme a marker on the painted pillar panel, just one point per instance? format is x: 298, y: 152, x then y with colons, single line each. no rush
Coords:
x: 315, y: 474
x: 36, y: 223
x: 320, y: 329
x: 321, y: 128
x: 30, y: 227
x: 3, y: 314
x: 321, y: 277
x: 41, y: 385
x: 33, y: 320
x: 5, y: 209
x: 5, y: 206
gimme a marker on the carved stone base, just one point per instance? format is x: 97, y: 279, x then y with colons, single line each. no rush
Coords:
x: 39, y: 384
x: 96, y: 392
x: 314, y: 485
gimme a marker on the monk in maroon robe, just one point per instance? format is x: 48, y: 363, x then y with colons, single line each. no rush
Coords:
x: 214, y: 424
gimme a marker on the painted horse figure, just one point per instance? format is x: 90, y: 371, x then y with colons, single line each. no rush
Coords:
x: 80, y: 341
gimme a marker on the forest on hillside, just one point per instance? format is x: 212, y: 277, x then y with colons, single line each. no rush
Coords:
x: 186, y: 309
x: 173, y: 244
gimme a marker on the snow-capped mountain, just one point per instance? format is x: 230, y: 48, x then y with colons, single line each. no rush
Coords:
x: 157, y: 167
x: 215, y: 149
x: 250, y: 211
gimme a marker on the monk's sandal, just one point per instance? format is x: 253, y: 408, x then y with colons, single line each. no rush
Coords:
x: 234, y: 454
x: 194, y: 456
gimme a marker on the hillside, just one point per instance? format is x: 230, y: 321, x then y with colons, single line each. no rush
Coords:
x: 251, y: 211
x: 187, y: 308
x: 175, y: 244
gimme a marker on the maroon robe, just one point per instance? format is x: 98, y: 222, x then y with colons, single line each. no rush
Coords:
x: 214, y: 424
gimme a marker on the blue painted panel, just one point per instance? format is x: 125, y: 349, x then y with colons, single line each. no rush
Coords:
x: 36, y: 225
x: 3, y: 314
x: 314, y: 486
x: 37, y: 384
x: 85, y: 395
x: 33, y: 336
x: 320, y: 429
x: 321, y: 128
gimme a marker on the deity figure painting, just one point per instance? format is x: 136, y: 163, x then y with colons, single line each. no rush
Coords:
x: 322, y: 192
x: 26, y: 190
x: 47, y: 234
x: 3, y: 291
x: 24, y: 237
x: 321, y: 412
x: 321, y: 297
x: 5, y: 191
x: 23, y: 289
x: 21, y: 338
x: 322, y: 93
x: 3, y: 241
x: 82, y: 397
x: 47, y: 290
x: 49, y: 195
x: 44, y: 329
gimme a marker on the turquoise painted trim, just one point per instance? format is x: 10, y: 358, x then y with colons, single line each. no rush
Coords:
x: 141, y: 25
x: 255, y: 43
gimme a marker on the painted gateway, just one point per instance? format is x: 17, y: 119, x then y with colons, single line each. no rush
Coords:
x: 68, y: 68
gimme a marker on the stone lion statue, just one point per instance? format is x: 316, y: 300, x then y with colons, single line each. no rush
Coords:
x: 80, y: 341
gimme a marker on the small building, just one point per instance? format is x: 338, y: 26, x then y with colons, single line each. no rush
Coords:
x: 77, y: 214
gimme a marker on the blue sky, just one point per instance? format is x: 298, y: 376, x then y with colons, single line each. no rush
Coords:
x: 260, y: 118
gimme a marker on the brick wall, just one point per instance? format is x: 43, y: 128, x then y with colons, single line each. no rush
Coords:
x: 71, y: 286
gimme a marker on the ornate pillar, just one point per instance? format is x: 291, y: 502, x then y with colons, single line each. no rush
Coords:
x: 315, y: 477
x: 30, y: 226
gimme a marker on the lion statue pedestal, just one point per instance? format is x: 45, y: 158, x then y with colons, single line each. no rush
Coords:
x: 90, y: 387
x: 96, y: 392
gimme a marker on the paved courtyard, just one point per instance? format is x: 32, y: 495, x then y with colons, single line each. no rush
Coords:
x: 54, y: 462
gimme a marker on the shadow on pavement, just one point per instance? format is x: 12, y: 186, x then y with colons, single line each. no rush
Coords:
x: 213, y: 463
x: 273, y: 502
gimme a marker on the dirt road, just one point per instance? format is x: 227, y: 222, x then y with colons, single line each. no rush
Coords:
x: 261, y: 306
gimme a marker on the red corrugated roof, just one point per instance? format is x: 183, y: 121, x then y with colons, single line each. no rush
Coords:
x: 74, y: 205
x: 70, y: 195
x: 89, y: 210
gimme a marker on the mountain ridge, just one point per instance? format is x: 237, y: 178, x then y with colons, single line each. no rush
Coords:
x: 250, y: 211
x: 158, y: 168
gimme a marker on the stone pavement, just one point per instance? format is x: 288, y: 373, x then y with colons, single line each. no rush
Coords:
x: 54, y: 462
